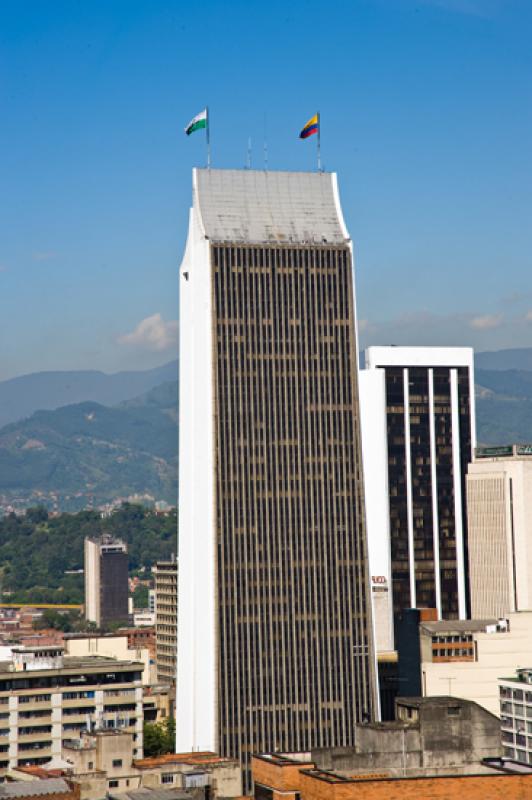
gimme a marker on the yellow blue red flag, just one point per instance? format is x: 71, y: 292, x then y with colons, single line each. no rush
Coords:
x: 312, y: 126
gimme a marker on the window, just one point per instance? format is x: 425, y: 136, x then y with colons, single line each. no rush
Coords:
x: 167, y: 778
x: 91, y: 764
x: 114, y: 784
x: 453, y: 711
x: 117, y: 762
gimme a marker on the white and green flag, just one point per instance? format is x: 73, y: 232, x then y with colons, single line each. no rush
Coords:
x: 196, y: 124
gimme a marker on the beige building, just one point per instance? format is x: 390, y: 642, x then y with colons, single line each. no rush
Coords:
x: 466, y: 658
x: 165, y: 573
x: 111, y: 646
x: 499, y: 506
x: 103, y: 762
x: 47, y: 697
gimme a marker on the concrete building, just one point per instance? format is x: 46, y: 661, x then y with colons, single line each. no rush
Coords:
x: 499, y: 499
x: 46, y: 697
x: 106, y: 581
x: 515, y: 696
x: 165, y: 575
x: 104, y: 763
x: 418, y: 434
x: 427, y: 752
x: 275, y: 633
x: 467, y: 658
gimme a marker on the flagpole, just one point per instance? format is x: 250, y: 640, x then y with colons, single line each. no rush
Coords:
x: 319, y: 142
x: 208, y: 139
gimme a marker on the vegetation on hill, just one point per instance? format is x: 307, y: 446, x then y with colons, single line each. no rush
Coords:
x: 87, y: 451
x: 37, y: 551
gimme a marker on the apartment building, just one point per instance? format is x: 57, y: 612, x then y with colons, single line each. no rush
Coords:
x: 47, y: 698
x: 165, y: 574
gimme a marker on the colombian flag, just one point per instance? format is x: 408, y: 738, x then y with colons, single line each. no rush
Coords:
x: 311, y: 127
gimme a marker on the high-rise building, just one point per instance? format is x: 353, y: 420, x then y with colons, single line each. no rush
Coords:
x: 418, y: 418
x: 275, y: 643
x: 165, y: 574
x: 499, y: 497
x: 106, y: 581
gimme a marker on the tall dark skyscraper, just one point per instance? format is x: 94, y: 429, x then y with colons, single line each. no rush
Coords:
x: 275, y: 646
x: 106, y: 580
x: 419, y: 401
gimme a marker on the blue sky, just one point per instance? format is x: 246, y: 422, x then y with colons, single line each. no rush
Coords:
x: 426, y: 116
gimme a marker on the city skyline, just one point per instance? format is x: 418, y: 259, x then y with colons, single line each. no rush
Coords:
x: 95, y: 163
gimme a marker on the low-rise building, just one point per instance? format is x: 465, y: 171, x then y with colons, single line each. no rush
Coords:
x: 466, y: 658
x: 285, y: 778
x: 440, y: 748
x: 47, y: 697
x: 103, y: 762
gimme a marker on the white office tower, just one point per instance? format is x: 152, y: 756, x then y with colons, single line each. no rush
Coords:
x: 499, y: 507
x: 275, y: 647
x: 418, y: 433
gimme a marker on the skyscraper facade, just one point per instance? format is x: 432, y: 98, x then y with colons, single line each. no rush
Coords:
x: 275, y: 644
x: 419, y: 401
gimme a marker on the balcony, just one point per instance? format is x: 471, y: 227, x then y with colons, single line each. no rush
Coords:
x: 33, y: 738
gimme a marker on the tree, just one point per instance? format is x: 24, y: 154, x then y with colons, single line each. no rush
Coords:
x: 159, y: 737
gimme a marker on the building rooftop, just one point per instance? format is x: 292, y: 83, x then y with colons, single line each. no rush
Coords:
x: 458, y: 625
x: 32, y: 788
x: 193, y: 759
x: 430, y: 702
x: 259, y: 207
x: 503, y: 452
x: 73, y: 663
x: 159, y: 794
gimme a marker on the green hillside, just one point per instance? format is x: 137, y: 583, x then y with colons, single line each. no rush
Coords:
x: 89, y: 450
x: 37, y: 550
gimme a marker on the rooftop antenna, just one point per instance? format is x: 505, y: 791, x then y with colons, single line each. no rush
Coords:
x: 265, y: 146
x: 248, y: 157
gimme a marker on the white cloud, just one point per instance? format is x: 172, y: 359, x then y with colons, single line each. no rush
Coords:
x: 486, y: 322
x: 528, y: 316
x: 43, y: 255
x: 152, y: 333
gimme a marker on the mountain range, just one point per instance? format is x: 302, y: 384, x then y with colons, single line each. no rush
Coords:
x: 44, y: 391
x: 79, y: 437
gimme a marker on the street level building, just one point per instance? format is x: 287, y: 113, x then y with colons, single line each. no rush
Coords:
x: 418, y: 433
x: 499, y: 500
x: 275, y: 635
x: 46, y: 697
x: 165, y: 574
x: 106, y: 581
